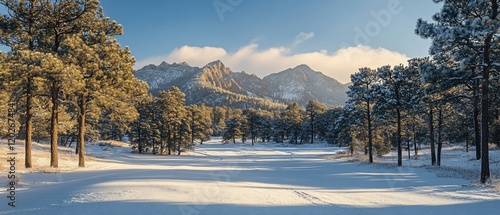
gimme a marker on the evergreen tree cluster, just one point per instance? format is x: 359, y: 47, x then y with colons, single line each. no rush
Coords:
x: 166, y: 126
x: 66, y: 73
x: 294, y: 124
x: 450, y: 97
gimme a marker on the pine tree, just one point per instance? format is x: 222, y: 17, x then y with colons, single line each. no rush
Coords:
x: 279, y: 127
x: 21, y: 30
x: 265, y: 129
x: 396, y: 92
x: 62, y: 19
x: 236, y: 126
x: 218, y: 116
x: 141, y: 128
x: 106, y: 75
x: 253, y: 120
x: 334, y: 127
x: 361, y: 96
x: 43, y: 26
x: 173, y: 118
x: 5, y: 96
x: 469, y: 27
x: 29, y: 86
x: 233, y: 129
x: 200, y: 123
x: 183, y: 137
x: 314, y: 109
x: 293, y: 119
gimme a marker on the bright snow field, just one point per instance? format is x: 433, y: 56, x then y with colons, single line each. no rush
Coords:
x: 244, y: 179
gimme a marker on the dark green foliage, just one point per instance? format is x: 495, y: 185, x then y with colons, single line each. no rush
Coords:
x: 292, y: 118
x: 235, y: 128
x: 314, y: 110
x: 219, y: 116
x: 200, y: 123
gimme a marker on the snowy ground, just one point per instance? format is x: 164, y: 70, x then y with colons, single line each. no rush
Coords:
x: 244, y: 179
x: 455, y: 162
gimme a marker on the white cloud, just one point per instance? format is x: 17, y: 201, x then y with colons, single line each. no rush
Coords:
x: 339, y: 65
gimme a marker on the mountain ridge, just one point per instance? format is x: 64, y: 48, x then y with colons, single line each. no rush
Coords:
x: 215, y: 84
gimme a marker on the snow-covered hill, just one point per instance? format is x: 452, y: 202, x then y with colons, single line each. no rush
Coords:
x: 215, y: 84
x: 302, y: 84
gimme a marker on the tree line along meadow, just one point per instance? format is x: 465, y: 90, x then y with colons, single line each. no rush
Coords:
x: 73, y: 82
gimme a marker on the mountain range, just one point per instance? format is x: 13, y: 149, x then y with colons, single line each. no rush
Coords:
x: 215, y: 85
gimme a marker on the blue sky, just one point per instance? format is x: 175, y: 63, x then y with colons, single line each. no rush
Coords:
x: 265, y: 36
x: 153, y: 27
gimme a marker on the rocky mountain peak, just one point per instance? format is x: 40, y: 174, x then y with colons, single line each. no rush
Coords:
x: 216, y: 64
x: 163, y: 63
x: 303, y: 67
x: 216, y: 84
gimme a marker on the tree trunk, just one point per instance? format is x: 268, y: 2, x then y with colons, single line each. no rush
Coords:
x: 139, y: 138
x: 440, y: 136
x: 497, y: 129
x: 352, y: 148
x: 153, y: 143
x: 29, y: 102
x: 29, y: 123
x: 370, y: 138
x: 400, y: 153
x: 192, y: 130
x: 466, y: 139
x: 77, y: 148
x: 169, y: 143
x: 54, y: 125
x: 485, y: 164
x: 409, y: 148
x: 81, y: 132
x: 312, y: 131
x: 477, y: 134
x: 431, y: 136
x: 485, y: 100
x: 162, y: 146
x: 414, y: 130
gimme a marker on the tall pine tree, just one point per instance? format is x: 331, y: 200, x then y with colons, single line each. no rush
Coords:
x: 362, y: 98
x: 471, y: 27
x: 293, y: 119
x: 314, y: 109
x: 21, y: 30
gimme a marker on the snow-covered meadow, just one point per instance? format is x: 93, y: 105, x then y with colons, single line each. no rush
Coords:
x: 243, y: 179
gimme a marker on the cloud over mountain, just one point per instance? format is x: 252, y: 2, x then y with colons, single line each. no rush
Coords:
x: 339, y: 65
